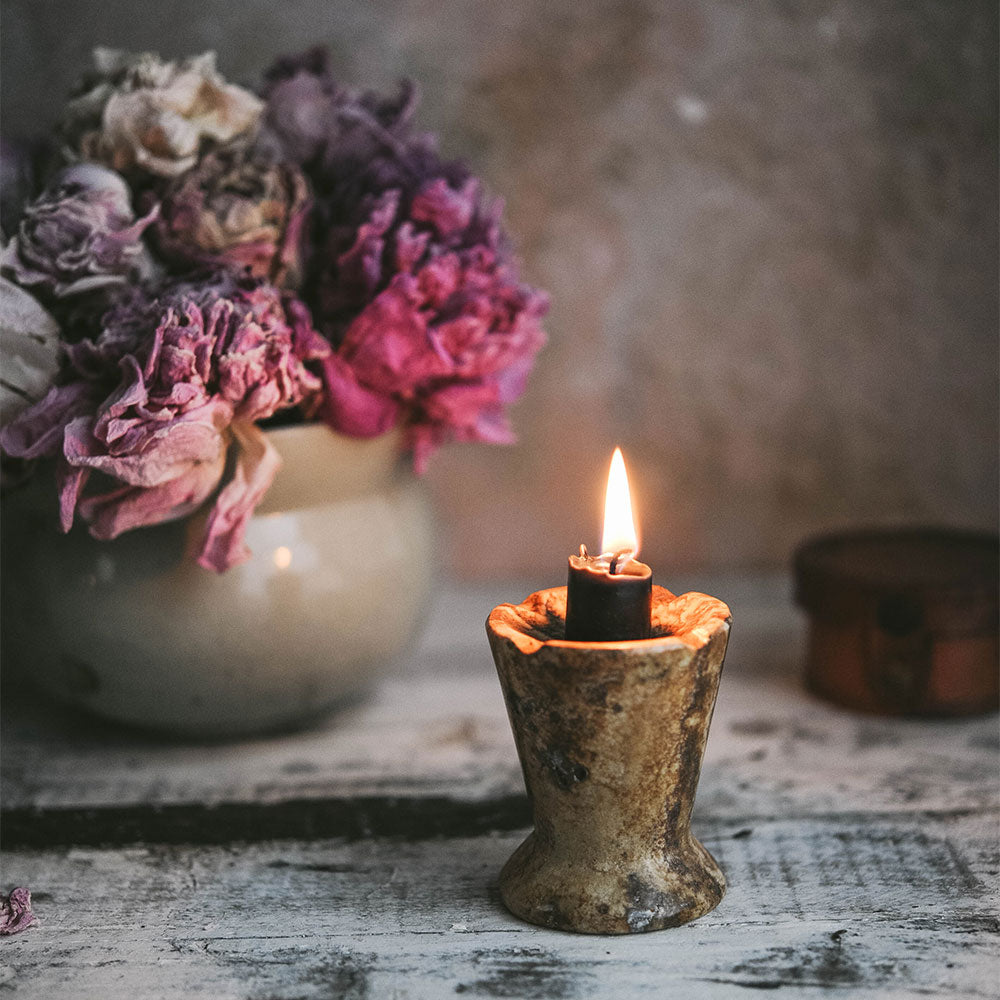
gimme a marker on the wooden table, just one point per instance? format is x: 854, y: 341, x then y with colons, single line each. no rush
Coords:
x: 359, y: 859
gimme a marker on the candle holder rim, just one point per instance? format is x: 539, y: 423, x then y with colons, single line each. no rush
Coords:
x: 508, y: 621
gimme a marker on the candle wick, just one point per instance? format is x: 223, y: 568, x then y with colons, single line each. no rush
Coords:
x: 620, y: 559
x: 584, y: 554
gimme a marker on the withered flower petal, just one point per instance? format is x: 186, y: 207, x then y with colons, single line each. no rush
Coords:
x: 139, y: 111
x: 80, y: 235
x: 238, y: 210
x: 15, y: 912
x: 29, y: 351
x: 155, y: 404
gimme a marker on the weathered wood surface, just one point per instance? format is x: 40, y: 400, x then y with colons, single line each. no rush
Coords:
x: 861, y: 853
x: 853, y: 908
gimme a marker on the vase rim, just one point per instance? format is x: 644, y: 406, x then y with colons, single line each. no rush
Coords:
x: 316, y: 428
x: 319, y: 462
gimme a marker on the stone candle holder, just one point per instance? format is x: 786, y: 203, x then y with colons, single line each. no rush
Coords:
x: 610, y: 737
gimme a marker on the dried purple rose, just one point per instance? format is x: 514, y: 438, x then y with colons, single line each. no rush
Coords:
x: 310, y: 116
x: 155, y: 404
x: 136, y: 110
x: 239, y: 210
x: 79, y: 236
x: 15, y: 912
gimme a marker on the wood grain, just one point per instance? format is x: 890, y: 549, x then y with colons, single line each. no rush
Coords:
x: 892, y: 907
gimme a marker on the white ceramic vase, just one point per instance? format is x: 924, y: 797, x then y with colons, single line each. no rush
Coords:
x: 134, y: 630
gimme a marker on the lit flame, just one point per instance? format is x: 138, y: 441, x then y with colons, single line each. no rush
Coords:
x: 619, y: 525
x: 282, y: 557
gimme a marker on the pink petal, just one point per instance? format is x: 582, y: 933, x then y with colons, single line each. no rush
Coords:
x: 389, y: 340
x: 423, y: 440
x: 448, y: 211
x: 131, y: 392
x: 410, y: 247
x: 15, y: 912
x: 129, y: 507
x: 69, y: 482
x: 460, y: 412
x: 166, y: 451
x: 350, y: 407
x: 257, y: 462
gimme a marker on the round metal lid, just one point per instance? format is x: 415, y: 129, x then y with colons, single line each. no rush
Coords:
x: 838, y: 574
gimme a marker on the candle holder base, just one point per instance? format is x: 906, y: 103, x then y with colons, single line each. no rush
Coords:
x: 611, y: 895
x: 610, y: 737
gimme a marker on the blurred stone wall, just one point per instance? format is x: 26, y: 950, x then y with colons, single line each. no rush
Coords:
x: 769, y: 230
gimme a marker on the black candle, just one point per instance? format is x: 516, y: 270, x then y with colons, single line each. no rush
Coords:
x: 609, y: 597
x: 605, y: 602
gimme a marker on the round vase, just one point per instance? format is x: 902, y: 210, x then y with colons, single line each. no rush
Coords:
x: 134, y: 630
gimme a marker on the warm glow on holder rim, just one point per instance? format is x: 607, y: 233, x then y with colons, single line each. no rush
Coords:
x: 620, y: 535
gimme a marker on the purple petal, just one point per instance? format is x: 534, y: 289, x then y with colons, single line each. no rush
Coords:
x: 39, y: 430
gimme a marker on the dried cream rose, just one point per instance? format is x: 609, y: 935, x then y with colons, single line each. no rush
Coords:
x: 141, y: 111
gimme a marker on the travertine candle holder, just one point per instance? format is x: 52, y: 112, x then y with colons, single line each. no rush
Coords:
x: 610, y: 738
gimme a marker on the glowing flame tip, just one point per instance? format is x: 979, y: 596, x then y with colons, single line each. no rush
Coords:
x: 620, y: 534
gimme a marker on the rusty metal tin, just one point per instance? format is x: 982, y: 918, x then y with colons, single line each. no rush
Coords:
x: 902, y: 622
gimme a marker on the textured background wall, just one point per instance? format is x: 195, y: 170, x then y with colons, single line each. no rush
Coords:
x: 769, y: 231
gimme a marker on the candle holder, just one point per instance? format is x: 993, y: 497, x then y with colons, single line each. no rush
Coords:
x: 610, y: 736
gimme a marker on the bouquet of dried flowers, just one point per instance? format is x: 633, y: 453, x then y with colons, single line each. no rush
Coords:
x: 196, y: 259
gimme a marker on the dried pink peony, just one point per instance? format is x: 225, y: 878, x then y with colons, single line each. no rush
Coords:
x: 431, y: 324
x: 15, y: 912
x: 136, y: 110
x: 238, y: 210
x: 318, y: 187
x: 412, y: 283
x: 163, y: 399
x: 79, y: 235
x: 445, y: 348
